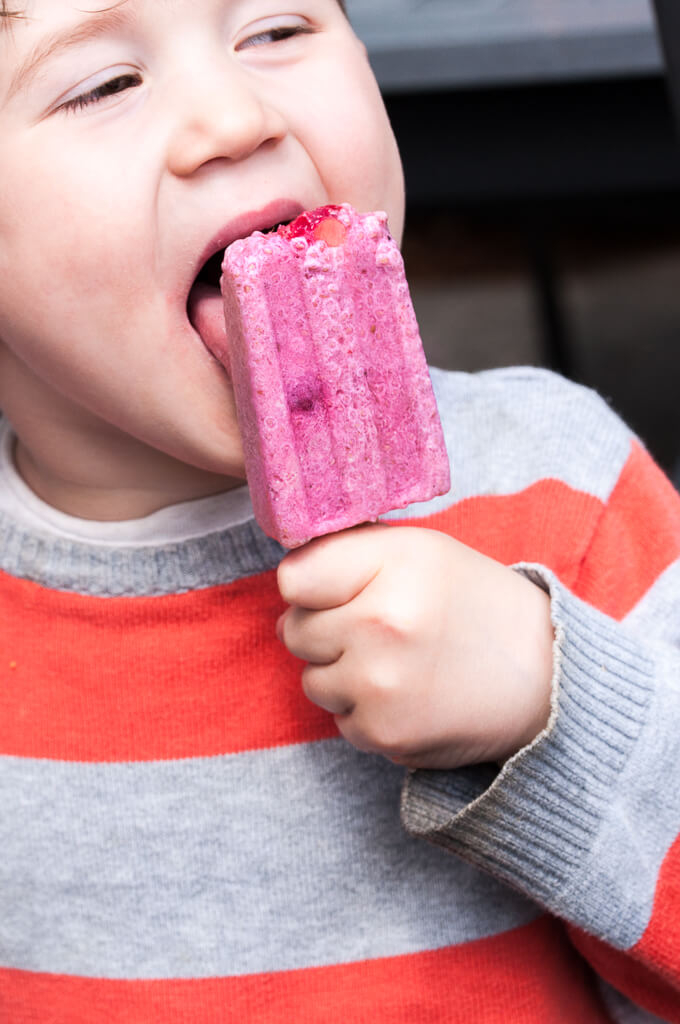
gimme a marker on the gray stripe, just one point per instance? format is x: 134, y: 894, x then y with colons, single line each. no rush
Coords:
x: 559, y: 429
x: 507, y: 429
x: 224, y: 866
x: 99, y: 571
x: 656, y: 615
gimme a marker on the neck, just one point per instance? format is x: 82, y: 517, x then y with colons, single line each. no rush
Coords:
x: 85, y: 466
x: 143, y: 487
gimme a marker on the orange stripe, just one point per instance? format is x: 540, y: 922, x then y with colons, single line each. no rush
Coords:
x: 638, y: 537
x: 650, y: 972
x: 179, y: 676
x: 202, y: 674
x: 528, y: 976
x: 548, y: 523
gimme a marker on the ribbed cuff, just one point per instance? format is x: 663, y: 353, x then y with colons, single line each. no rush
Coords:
x: 532, y: 823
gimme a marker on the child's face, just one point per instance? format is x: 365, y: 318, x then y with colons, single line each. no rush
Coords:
x: 143, y: 138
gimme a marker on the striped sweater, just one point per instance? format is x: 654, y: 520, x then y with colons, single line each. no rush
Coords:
x: 186, y: 839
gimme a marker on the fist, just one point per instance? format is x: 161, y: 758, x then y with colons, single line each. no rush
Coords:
x: 423, y: 649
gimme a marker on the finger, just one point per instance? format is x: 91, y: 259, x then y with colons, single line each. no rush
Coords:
x: 331, y: 570
x: 311, y: 635
x: 372, y: 738
x: 328, y: 688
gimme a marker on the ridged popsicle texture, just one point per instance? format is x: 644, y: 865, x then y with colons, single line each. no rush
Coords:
x: 335, y: 405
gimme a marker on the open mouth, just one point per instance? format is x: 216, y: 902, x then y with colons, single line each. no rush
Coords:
x: 211, y: 271
x: 204, y: 305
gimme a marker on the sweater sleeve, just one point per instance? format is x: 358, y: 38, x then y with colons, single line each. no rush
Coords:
x: 586, y: 820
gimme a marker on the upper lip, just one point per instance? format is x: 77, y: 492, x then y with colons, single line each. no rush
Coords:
x: 240, y: 227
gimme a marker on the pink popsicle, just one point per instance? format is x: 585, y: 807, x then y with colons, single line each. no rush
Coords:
x: 333, y: 394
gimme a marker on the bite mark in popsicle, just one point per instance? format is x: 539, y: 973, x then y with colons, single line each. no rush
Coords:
x: 333, y: 394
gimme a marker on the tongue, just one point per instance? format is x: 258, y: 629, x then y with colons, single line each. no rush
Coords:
x: 206, y: 314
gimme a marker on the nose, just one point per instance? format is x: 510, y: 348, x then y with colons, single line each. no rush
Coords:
x: 223, y: 116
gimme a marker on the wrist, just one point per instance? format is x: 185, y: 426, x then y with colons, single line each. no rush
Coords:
x: 535, y: 661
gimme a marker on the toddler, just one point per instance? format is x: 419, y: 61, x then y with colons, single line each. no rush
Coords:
x: 419, y: 771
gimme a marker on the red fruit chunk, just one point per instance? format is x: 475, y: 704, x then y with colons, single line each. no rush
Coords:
x: 314, y: 225
x: 331, y: 231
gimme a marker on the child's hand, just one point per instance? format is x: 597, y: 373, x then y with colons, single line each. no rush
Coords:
x: 424, y: 650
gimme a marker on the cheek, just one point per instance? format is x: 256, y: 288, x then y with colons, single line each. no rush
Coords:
x: 67, y: 291
x: 67, y: 214
x: 67, y: 249
x: 370, y: 174
x: 344, y: 126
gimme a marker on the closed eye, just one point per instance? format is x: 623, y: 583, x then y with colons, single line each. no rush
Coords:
x: 276, y: 34
x: 115, y: 86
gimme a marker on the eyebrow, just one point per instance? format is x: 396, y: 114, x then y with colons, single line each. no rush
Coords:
x: 98, y: 23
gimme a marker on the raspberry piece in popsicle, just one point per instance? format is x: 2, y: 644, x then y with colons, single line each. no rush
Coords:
x: 333, y: 394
